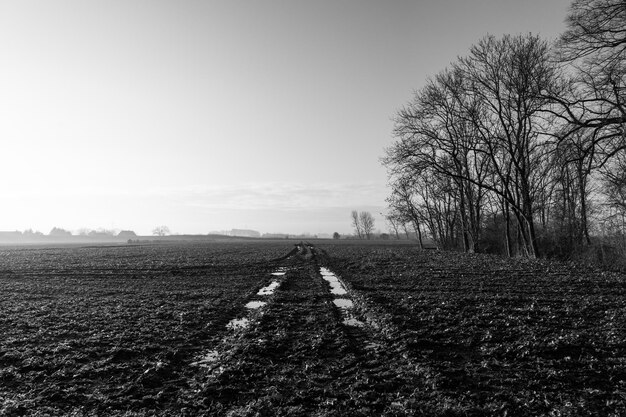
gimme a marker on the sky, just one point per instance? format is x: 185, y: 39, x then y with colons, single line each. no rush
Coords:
x: 210, y: 115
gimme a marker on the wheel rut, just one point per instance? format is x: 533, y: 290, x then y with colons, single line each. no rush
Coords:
x: 313, y: 347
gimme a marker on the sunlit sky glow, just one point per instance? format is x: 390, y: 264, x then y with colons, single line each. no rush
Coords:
x: 211, y: 115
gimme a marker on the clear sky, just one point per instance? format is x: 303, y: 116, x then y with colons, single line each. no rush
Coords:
x: 211, y: 115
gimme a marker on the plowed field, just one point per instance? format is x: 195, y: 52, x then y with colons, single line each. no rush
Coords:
x: 335, y: 329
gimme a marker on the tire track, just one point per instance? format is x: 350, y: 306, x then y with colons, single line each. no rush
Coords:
x: 374, y: 339
x: 307, y: 353
x: 254, y: 309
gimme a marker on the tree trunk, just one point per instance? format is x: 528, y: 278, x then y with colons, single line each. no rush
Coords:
x: 583, y: 207
x: 418, y: 232
x: 532, y: 237
x: 464, y: 225
x: 507, y: 230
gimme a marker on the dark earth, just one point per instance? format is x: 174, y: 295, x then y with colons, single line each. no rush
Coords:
x: 138, y: 330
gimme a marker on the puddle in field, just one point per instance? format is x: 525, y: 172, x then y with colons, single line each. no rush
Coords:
x: 280, y: 272
x: 236, y: 324
x: 353, y: 322
x: 336, y: 287
x: 344, y: 304
x: 269, y: 290
x: 326, y: 272
x: 255, y: 304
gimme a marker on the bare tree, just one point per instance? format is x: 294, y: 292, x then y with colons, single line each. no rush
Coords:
x: 403, y: 201
x: 614, y: 184
x: 593, y: 50
x: 367, y: 223
x: 440, y: 204
x: 479, y: 124
x: 592, y: 106
x: 512, y: 134
x: 575, y: 159
x: 595, y: 27
x: 356, y: 223
x: 507, y: 76
x: 436, y: 134
x: 394, y: 220
x: 475, y: 129
x: 161, y: 231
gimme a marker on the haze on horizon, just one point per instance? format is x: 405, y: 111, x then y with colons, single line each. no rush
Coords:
x: 212, y: 115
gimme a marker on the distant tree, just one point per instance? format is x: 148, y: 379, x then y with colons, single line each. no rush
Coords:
x: 31, y: 232
x: 367, y: 223
x: 336, y: 235
x: 101, y: 233
x: 356, y: 223
x: 57, y: 231
x: 161, y: 231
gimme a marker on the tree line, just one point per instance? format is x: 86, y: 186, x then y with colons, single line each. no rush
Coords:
x: 519, y: 147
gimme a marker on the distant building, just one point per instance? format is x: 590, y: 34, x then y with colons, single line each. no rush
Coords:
x: 10, y: 236
x: 220, y: 232
x: 127, y: 234
x: 275, y: 236
x: 244, y: 233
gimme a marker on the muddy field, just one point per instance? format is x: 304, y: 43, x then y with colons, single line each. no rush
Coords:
x: 334, y: 329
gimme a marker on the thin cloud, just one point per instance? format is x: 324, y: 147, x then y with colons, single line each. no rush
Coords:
x: 249, y: 196
x: 282, y: 196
